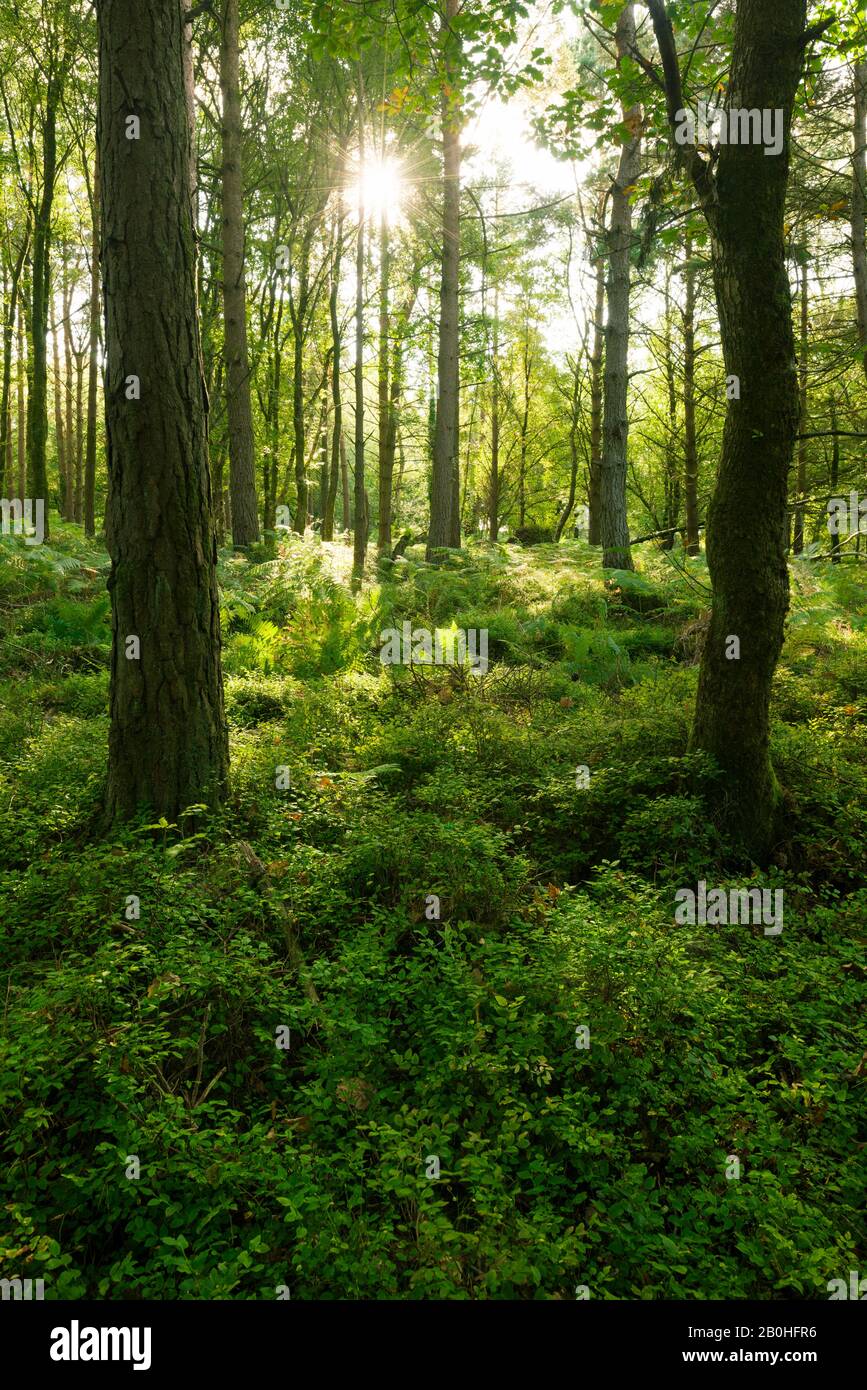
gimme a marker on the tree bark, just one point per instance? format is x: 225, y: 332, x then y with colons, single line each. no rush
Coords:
x: 359, y: 552
x: 744, y: 205
x: 11, y: 306
x: 92, y: 365
x: 596, y: 360
x: 59, y: 426
x: 68, y: 504
x: 690, y: 449
x: 386, y: 459
x: 614, y: 527
x: 859, y: 202
x: 798, y: 539
x: 336, y: 391
x: 167, y: 740
x: 37, y: 400
x: 445, y: 515
x: 242, y: 476
x: 20, y: 384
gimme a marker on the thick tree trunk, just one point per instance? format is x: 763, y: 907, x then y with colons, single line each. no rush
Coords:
x: 92, y: 366
x: 242, y: 475
x: 167, y: 741
x: 614, y: 526
x: 597, y: 356
x: 690, y: 448
x: 744, y: 205
x: 859, y: 201
x: 445, y: 515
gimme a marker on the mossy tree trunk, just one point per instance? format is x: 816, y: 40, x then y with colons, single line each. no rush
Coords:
x: 744, y: 203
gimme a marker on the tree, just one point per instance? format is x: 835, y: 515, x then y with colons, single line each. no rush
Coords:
x: 743, y: 201
x: 167, y: 741
x: 242, y: 474
x: 613, y: 524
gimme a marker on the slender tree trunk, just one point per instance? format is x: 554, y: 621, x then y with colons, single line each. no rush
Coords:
x: 671, y: 484
x: 573, y: 453
x: 20, y: 384
x: 835, y: 473
x: 242, y: 475
x: 445, y: 514
x: 68, y: 504
x: 744, y: 204
x: 167, y: 739
x: 494, y: 487
x: 798, y: 542
x: 336, y: 392
x: 690, y: 449
x: 59, y: 426
x: 299, y: 318
x: 37, y: 400
x: 11, y: 306
x: 614, y: 525
x: 344, y: 485
x: 92, y: 366
x: 79, y: 433
x: 526, y: 373
x: 859, y: 202
x: 359, y: 553
x: 596, y: 360
x: 386, y: 459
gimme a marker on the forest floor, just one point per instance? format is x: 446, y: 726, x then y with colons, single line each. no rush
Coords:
x: 188, y: 1112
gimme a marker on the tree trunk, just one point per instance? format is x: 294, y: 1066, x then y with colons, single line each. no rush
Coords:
x: 573, y: 452
x: 835, y: 473
x: 242, y: 476
x: 344, y: 485
x: 445, y: 515
x: 798, y: 540
x: 92, y: 366
x: 495, y: 482
x: 6, y: 479
x: 79, y: 433
x: 167, y: 741
x: 336, y: 393
x: 37, y: 400
x: 859, y: 202
x: 744, y: 205
x: 68, y: 505
x: 671, y: 482
x: 614, y: 526
x: 596, y: 360
x: 690, y: 449
x: 59, y: 426
x: 386, y: 458
x: 20, y: 382
x: 359, y: 552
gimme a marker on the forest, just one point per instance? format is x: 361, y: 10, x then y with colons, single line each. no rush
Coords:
x: 433, y: 650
